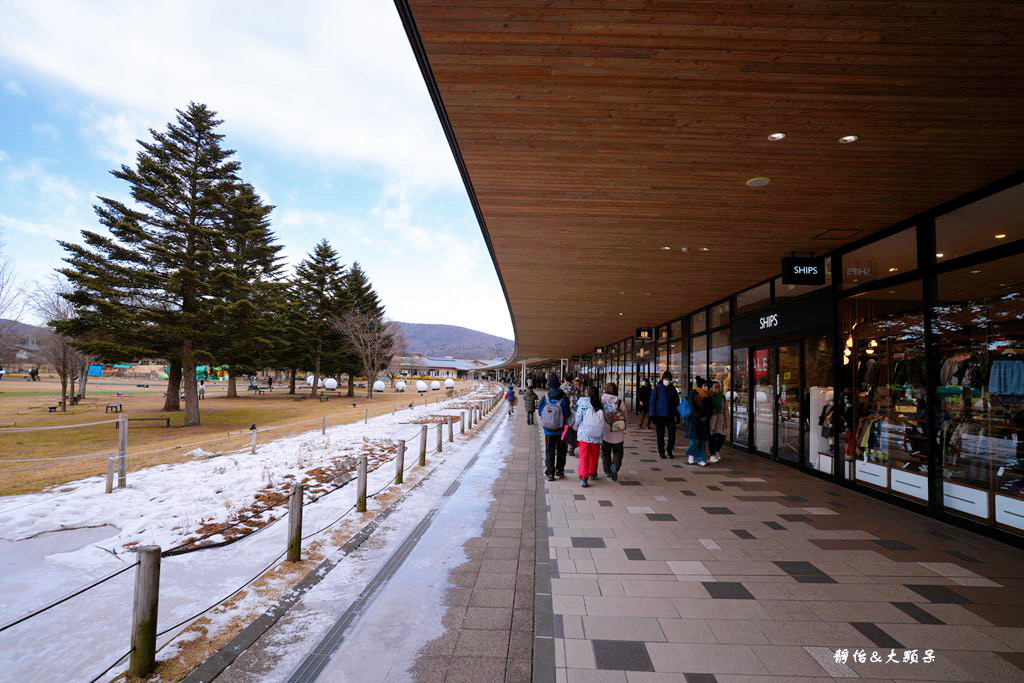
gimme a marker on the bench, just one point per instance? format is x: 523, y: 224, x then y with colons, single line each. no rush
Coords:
x: 165, y: 420
x: 114, y: 407
x: 324, y: 398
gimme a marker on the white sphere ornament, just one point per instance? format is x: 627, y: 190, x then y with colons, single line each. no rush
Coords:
x: 399, y: 386
x: 449, y: 383
x: 435, y: 385
x: 761, y: 397
x: 421, y: 386
x: 378, y: 386
x: 330, y: 383
x: 309, y: 380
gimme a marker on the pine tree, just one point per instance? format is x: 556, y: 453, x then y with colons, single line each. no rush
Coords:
x: 248, y: 287
x: 149, y: 286
x: 319, y: 297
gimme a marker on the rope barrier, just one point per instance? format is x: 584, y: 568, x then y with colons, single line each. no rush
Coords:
x: 15, y: 430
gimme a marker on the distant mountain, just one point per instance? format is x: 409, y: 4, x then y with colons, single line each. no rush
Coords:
x: 439, y: 341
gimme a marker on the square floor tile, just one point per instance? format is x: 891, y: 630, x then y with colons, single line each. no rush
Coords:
x: 727, y: 590
x: 714, y: 488
x: 587, y: 542
x: 605, y: 503
x: 794, y: 568
x: 687, y: 493
x: 775, y: 525
x: 660, y: 517
x: 718, y: 511
x: 622, y: 655
x: 675, y: 479
x: 795, y: 518
x: 700, y: 678
x: 743, y: 533
x: 876, y: 634
x: 634, y: 554
x: 917, y: 613
x: 962, y: 556
x: 939, y: 594
x: 578, y: 496
x: 623, y: 482
x: 890, y: 544
x: 813, y: 578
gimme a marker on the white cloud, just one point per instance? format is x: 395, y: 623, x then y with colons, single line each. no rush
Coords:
x: 46, y: 130
x: 333, y: 82
x: 113, y: 136
x: 4, y: 156
x: 14, y: 88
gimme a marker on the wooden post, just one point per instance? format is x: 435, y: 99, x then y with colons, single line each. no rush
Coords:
x: 440, y: 447
x: 361, y: 485
x: 144, y: 612
x: 451, y: 428
x: 423, y: 446
x: 122, y: 450
x: 323, y: 425
x: 366, y: 414
x: 110, y: 473
x: 400, y: 461
x: 295, y: 524
x: 252, y: 443
x: 462, y: 422
x: 392, y: 408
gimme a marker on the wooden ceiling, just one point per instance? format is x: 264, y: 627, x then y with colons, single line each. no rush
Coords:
x: 594, y: 133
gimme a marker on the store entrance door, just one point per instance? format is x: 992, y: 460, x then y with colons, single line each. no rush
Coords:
x: 777, y: 408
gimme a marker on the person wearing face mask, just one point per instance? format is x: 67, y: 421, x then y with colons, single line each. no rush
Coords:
x: 719, y: 426
x: 664, y: 402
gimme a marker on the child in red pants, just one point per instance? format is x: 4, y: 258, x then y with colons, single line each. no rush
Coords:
x: 589, y: 431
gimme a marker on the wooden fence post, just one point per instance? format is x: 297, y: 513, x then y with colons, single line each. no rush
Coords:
x: 252, y: 443
x: 366, y: 414
x: 400, y: 462
x: 122, y: 450
x: 451, y: 428
x: 144, y: 611
x: 361, y: 485
x: 110, y: 473
x: 295, y: 524
x: 462, y: 422
x: 323, y: 425
x: 423, y: 446
x: 440, y: 447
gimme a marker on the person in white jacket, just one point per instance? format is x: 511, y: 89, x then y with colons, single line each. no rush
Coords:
x: 614, y: 431
x: 589, y: 423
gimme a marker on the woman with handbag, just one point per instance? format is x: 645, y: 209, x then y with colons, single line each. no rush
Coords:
x: 612, y: 441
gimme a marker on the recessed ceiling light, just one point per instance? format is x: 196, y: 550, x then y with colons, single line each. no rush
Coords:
x: 893, y: 269
x: 684, y: 249
x: 621, y: 292
x: 975, y: 271
x: 892, y: 291
x: 1001, y: 236
x: 705, y: 249
x: 939, y: 255
x: 620, y: 314
x: 847, y: 139
x: 759, y: 181
x: 665, y: 248
x: 775, y: 137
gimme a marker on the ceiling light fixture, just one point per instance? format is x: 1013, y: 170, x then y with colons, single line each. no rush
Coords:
x: 665, y: 248
x: 759, y: 181
x: 775, y: 137
x: 705, y: 249
x: 975, y: 271
x: 1001, y: 235
x: 893, y: 269
x: 847, y: 139
x: 620, y: 314
x: 939, y: 255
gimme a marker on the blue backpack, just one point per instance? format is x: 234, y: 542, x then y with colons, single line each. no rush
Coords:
x: 685, y: 409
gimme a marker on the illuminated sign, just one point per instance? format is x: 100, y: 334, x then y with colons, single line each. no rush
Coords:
x: 802, y: 270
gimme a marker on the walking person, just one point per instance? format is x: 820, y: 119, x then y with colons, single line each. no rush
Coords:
x: 664, y: 401
x: 718, y: 426
x: 202, y: 388
x: 700, y: 424
x: 612, y: 441
x: 643, y: 398
x: 571, y: 389
x: 529, y: 402
x: 554, y: 420
x: 510, y: 396
x: 589, y: 421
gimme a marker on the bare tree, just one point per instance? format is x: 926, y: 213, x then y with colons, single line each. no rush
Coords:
x: 372, y: 339
x: 11, y: 301
x: 68, y: 362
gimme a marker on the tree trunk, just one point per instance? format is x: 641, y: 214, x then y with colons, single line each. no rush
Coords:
x: 83, y: 379
x: 188, y: 374
x: 232, y: 387
x: 291, y: 382
x: 351, y: 384
x: 316, y: 370
x: 71, y: 387
x: 172, y: 400
x: 63, y: 392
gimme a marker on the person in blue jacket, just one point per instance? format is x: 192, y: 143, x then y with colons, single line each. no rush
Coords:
x: 555, y: 446
x: 664, y: 402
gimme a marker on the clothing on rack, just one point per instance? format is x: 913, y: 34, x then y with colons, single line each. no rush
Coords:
x: 1007, y: 377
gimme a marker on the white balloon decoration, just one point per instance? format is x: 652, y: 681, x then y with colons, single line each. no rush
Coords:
x: 449, y: 383
x: 399, y: 385
x: 435, y: 385
x: 421, y: 386
x: 378, y: 386
x: 330, y: 383
x: 309, y: 380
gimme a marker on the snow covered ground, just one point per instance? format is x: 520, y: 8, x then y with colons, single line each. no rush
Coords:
x: 51, y: 544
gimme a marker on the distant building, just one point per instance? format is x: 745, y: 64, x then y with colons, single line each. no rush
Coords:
x: 423, y: 366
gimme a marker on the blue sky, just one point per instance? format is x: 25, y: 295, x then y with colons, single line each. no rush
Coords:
x: 323, y: 102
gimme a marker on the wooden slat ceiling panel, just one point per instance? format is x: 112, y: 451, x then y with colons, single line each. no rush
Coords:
x: 597, y: 132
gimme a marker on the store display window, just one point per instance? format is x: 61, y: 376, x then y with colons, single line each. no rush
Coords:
x: 753, y: 298
x: 698, y: 322
x: 979, y: 326
x: 677, y: 352
x: 720, y: 315
x: 887, y: 257
x: 698, y: 357
x: 885, y: 408
x: 720, y: 369
x: 819, y: 436
x: 991, y: 222
x: 740, y: 396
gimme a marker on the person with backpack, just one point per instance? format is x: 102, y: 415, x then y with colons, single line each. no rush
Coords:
x: 554, y: 420
x: 719, y: 426
x: 612, y: 441
x: 590, y: 423
x: 700, y: 424
x: 664, y: 402
x: 529, y: 402
x: 643, y: 400
x: 510, y: 396
x: 571, y: 388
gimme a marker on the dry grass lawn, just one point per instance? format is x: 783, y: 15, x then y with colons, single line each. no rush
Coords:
x: 225, y: 425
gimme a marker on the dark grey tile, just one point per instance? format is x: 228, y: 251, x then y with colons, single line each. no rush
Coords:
x: 660, y: 517
x: 795, y: 518
x: 634, y: 554
x: 628, y: 483
x: 551, y: 531
x: 605, y: 503
x: 718, y: 511
x: 714, y: 488
x: 675, y: 479
x: 892, y: 544
x: 727, y: 590
x: 687, y: 493
x: 836, y: 504
x: 647, y: 460
x: 813, y: 578
x: 559, y: 626
x: 939, y: 594
x: 622, y: 655
x: 794, y: 568
x: 939, y: 534
x: 553, y: 569
x: 579, y: 496
x: 700, y: 678
x: 743, y: 533
x: 962, y: 556
x: 587, y: 542
x: 775, y: 525
x: 794, y: 499
x: 917, y: 614
x: 875, y: 634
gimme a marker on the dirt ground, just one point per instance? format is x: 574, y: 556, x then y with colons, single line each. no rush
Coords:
x: 33, y: 461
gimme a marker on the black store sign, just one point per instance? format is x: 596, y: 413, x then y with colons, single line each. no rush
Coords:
x: 803, y: 270
x: 645, y: 333
x: 799, y: 318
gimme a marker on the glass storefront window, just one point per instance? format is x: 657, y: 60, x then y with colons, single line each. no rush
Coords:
x: 698, y: 358
x: 676, y: 329
x: 763, y: 419
x: 885, y: 258
x: 885, y: 410
x: 721, y: 366
x: 993, y: 221
x: 720, y: 315
x: 784, y: 292
x: 818, y: 396
x: 662, y: 333
x: 628, y: 388
x: 753, y: 298
x: 662, y: 359
x: 740, y: 397
x: 698, y: 322
x: 676, y: 355
x: 979, y: 325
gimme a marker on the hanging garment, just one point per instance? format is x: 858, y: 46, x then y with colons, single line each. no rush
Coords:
x: 1007, y: 377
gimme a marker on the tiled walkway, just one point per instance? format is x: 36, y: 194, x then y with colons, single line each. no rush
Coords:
x: 751, y: 571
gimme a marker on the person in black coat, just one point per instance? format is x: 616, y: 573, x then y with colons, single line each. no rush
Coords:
x: 643, y: 399
x: 664, y: 402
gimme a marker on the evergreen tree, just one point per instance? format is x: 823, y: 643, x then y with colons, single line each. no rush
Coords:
x: 150, y: 283
x: 319, y: 297
x: 248, y: 287
x: 370, y: 339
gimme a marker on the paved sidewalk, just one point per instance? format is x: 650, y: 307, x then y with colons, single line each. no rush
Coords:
x: 751, y: 571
